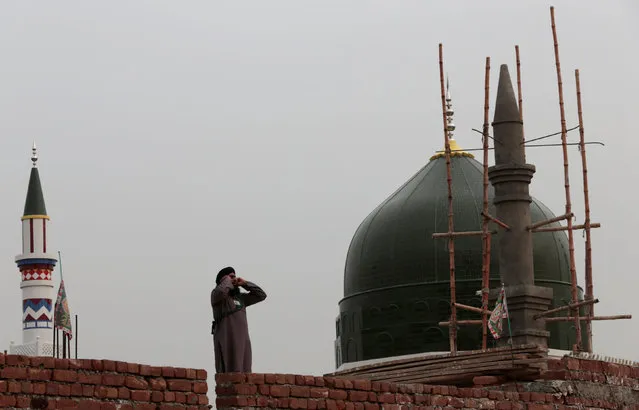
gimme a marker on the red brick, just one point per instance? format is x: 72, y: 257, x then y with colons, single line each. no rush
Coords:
x: 386, y: 398
x: 355, y: 395
x: 157, y: 396
x: 200, y: 387
x: 157, y: 384
x: 282, y: 403
x: 136, y: 383
x: 145, y: 370
x: 280, y: 379
x: 62, y: 364
x: 26, y: 387
x: 362, y: 384
x: 108, y: 365
x: 108, y: 406
x: 14, y: 387
x: 76, y: 389
x: 113, y: 379
x: 191, y: 374
x: 97, y: 365
x: 319, y: 392
x: 244, y: 389
x: 23, y: 402
x: 540, y: 407
x: 371, y: 406
x: 140, y: 395
x: 230, y: 378
x: 231, y: 402
x: 202, y: 374
x: 335, y: 394
x: 133, y: 368
x: 17, y: 373
x: 180, y: 373
x: 168, y: 372
x: 180, y: 385
x: 296, y: 403
x: 39, y: 388
x: 280, y: 391
x: 191, y: 398
x: 15, y: 360
x: 3, y: 359
x: 320, y: 382
x: 372, y: 396
x: 289, y: 378
x: 203, y: 400
x: 86, y: 378
x: 87, y: 391
x: 52, y: 389
x: 86, y: 364
x: 254, y: 378
x: 3, y: 386
x: 88, y: 405
x: 7, y: 401
x: 121, y: 367
x: 169, y: 396
x: 504, y: 405
x: 66, y: 404
x: 300, y: 391
x: 264, y: 389
x: 180, y: 397
x: 67, y: 376
x: 75, y: 364
x: 124, y: 393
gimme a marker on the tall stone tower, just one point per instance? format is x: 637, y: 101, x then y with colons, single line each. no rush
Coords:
x: 36, y: 266
x: 511, y: 177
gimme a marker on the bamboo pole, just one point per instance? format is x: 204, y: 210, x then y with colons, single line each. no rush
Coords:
x: 590, y: 310
x: 550, y: 221
x: 485, y: 274
x: 462, y: 322
x: 473, y: 309
x: 452, y: 331
x: 566, y: 228
x: 571, y: 243
x: 492, y: 218
x: 566, y: 307
x: 585, y: 318
x: 464, y: 233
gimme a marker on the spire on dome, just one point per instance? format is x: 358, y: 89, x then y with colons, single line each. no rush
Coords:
x: 34, y: 204
x: 455, y: 150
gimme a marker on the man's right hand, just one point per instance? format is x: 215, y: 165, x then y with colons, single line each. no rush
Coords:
x: 239, y: 281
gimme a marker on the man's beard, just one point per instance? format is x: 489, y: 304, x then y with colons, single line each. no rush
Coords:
x: 235, y: 291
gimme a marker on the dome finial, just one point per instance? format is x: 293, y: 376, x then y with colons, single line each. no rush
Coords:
x: 455, y: 150
x: 34, y: 154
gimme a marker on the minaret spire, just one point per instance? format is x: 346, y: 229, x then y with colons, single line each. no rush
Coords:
x: 36, y: 266
x: 511, y: 177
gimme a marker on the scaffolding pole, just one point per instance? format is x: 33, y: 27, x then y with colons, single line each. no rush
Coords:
x: 571, y: 243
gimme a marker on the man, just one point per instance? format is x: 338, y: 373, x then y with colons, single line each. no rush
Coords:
x: 230, y: 328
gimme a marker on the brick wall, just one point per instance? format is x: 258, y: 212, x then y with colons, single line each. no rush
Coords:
x: 569, y: 384
x: 46, y: 382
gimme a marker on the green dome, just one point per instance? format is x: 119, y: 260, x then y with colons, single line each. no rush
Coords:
x: 396, y: 280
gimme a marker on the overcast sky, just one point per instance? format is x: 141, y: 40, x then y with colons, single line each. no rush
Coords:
x: 178, y: 137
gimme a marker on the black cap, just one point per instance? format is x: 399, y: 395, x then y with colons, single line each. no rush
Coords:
x: 226, y: 271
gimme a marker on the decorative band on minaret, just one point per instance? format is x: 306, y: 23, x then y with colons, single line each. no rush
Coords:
x: 36, y: 266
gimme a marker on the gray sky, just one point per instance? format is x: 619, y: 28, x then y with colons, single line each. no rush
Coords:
x: 176, y: 138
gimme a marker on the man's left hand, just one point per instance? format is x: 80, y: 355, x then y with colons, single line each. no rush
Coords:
x: 239, y: 282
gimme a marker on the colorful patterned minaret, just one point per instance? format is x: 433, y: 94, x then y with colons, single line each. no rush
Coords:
x: 36, y: 265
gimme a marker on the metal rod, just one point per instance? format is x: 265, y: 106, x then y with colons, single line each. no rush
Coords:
x: 465, y: 233
x: 495, y: 220
x: 521, y: 110
x: 452, y: 334
x: 590, y: 310
x: 463, y: 322
x: 532, y: 146
x: 54, y: 335
x: 550, y: 221
x: 485, y: 271
x: 473, y: 309
x: 64, y: 346
x: 76, y: 336
x: 585, y: 318
x: 566, y: 307
x: 571, y: 242
x: 565, y: 228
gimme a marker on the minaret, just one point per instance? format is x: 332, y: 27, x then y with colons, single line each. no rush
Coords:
x: 36, y: 267
x: 511, y: 177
